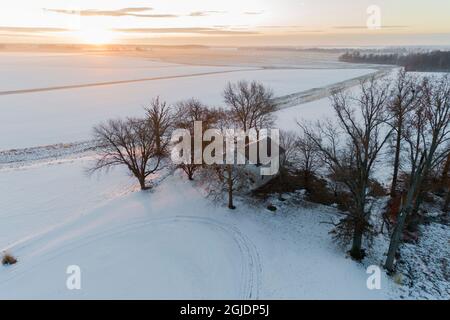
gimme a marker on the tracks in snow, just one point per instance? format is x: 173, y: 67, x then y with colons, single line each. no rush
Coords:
x: 55, y: 151
x: 23, y: 157
x: 299, y: 98
x: 109, y: 83
x: 251, y: 269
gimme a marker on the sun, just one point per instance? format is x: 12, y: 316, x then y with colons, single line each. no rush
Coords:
x: 96, y: 36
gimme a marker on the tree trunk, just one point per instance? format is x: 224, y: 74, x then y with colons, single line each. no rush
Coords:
x: 306, y: 174
x: 395, y: 241
x: 191, y: 173
x: 358, y: 231
x: 157, y: 140
x: 398, y: 230
x: 142, y: 183
x: 356, y: 251
x: 415, y: 219
x: 396, y: 162
x: 230, y: 188
x: 447, y: 202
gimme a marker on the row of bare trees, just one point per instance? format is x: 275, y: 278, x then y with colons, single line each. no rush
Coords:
x: 427, y: 145
x: 411, y: 118
x: 407, y: 117
x: 142, y: 145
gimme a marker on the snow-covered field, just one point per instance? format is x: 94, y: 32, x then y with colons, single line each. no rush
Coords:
x: 31, y: 71
x: 171, y: 242
x: 61, y: 116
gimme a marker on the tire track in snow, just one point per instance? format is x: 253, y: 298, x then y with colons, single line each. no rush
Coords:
x: 109, y: 83
x: 23, y: 157
x: 251, y: 269
x: 299, y: 98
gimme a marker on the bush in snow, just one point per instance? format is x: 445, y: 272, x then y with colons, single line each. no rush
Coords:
x: 8, y: 259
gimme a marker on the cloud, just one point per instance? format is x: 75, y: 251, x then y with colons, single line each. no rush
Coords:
x: 310, y: 31
x: 276, y: 29
x: 31, y: 29
x: 210, y: 31
x: 205, y: 13
x: 253, y: 12
x: 280, y: 27
x: 138, y: 9
x: 129, y: 12
x: 365, y: 27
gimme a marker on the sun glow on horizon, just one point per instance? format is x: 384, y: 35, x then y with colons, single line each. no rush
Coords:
x: 95, y: 35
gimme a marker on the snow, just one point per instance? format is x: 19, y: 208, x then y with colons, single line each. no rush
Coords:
x: 321, y: 109
x: 62, y: 116
x: 425, y: 266
x: 172, y: 242
x: 21, y: 72
x: 312, y: 111
x: 154, y: 245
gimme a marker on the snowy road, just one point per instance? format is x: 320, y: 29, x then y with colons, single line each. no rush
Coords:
x: 299, y: 98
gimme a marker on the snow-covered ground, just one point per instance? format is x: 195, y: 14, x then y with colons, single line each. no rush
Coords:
x: 172, y: 241
x: 169, y: 243
x: 424, y: 271
x: 31, y: 71
x: 62, y: 116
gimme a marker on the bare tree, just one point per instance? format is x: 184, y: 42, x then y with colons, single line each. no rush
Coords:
x: 187, y: 113
x: 289, y: 144
x: 350, y: 150
x: 308, y: 158
x: 446, y: 169
x: 225, y: 177
x: 251, y: 104
x: 160, y: 120
x: 427, y: 141
x: 404, y: 93
x: 130, y: 143
x: 228, y: 178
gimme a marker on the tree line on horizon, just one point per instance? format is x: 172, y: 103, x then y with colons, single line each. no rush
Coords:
x: 436, y: 61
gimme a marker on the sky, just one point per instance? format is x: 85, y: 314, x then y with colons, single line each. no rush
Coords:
x: 231, y: 22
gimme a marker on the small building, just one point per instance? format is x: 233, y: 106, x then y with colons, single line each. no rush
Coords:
x: 253, y: 170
